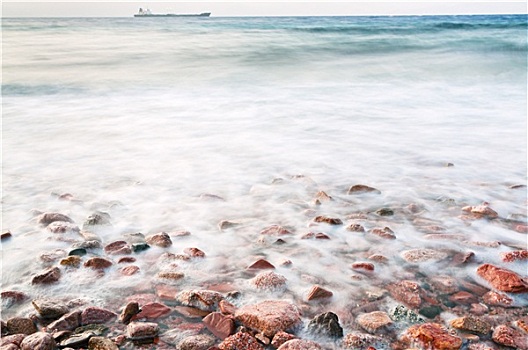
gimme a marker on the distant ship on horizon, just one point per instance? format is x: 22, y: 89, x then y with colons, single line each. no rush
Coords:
x: 147, y: 13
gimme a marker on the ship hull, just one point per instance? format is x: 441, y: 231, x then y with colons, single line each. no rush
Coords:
x: 205, y: 14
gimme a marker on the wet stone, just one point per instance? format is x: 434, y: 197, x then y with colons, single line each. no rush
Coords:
x: 328, y: 220
x: 88, y: 244
x: 170, y: 275
x: 432, y: 336
x: 118, y: 248
x: 430, y: 311
x: 355, y: 228
x: 152, y: 311
x: 130, y: 310
x: 502, y: 279
x: 78, y: 340
x: 126, y: 260
x: 10, y: 297
x: 275, y: 230
x: 361, y: 341
x: 97, y: 219
x: 50, y: 309
x: 374, y: 321
x: 220, y: 325
x: 240, y: 341
x: 326, y: 324
x: 318, y: 292
x: 97, y: 263
x: 194, y: 252
x: 67, y: 322
x: 206, y: 300
x: 62, y: 227
x: 6, y: 235
x: 47, y: 218
x: 139, y: 247
x: 261, y: 264
x: 72, y: 261
x: 47, y: 277
x: 38, y: 341
x: 269, y: 281
x: 407, y: 292
x: 511, y: 337
x: 463, y: 298
x: 423, y: 255
x: 385, y: 233
x: 269, y: 317
x: 77, y: 252
x: 196, y: 342
x: 471, y: 324
x: 101, y: 343
x: 129, y: 270
x: 363, y: 266
x: 300, y: 344
x: 161, y: 239
x: 142, y: 330
x: 516, y: 255
x: 385, y: 212
x: 21, y: 325
x: 14, y: 339
x: 358, y: 189
x: 402, y: 314
x: 96, y: 315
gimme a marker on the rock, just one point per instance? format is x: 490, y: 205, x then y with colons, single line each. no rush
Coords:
x: 385, y: 232
x: 522, y: 324
x: 96, y: 315
x: 378, y: 258
x: 130, y: 310
x: 481, y: 211
x: 212, y: 197
x: 385, y: 212
x: 432, y: 336
x: 402, y: 314
x: 191, y: 312
x: 275, y: 230
x: 444, y: 284
x: 326, y: 324
x: 511, y: 337
x: 50, y: 309
x: 502, y: 279
x: 317, y: 292
x: 463, y: 258
x: 126, y: 260
x: 515, y: 255
x: 328, y: 220
x: 38, y: 341
x: 355, y: 228
x: 225, y: 224
x: 261, y: 264
x: 51, y: 257
x: 220, y: 325
x: 118, y: 248
x: 101, y: 343
x: 363, y: 267
x: 240, y: 341
x: 47, y: 277
x: 88, y: 244
x: 10, y: 297
x: 14, y: 339
x: 152, y: 311
x: 78, y: 340
x: 299, y: 344
x: 194, y: 252
x: 6, y: 235
x: 358, y: 189
x: 471, y: 324
x: 206, y: 300
x: 226, y: 307
x: 129, y: 270
x: 269, y: 281
x: 280, y: 338
x: 374, y: 321
x: 161, y: 239
x: 463, y: 297
x: 98, y: 218
x: 407, y: 292
x: 322, y: 196
x: 430, y: 311
x: 62, y: 227
x: 21, y: 325
x: 196, y: 342
x: 269, y: 317
x: 318, y: 235
x: 97, y: 263
x: 422, y: 255
x: 171, y: 275
x: 9, y: 346
x: 361, y: 341
x: 139, y: 247
x: 47, y: 218
x: 67, y: 322
x: 142, y: 330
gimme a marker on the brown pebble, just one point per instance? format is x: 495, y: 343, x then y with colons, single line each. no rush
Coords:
x: 261, y: 264
x: 318, y: 292
x: 194, y: 252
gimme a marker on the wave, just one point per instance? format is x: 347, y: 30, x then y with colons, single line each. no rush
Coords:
x: 38, y: 90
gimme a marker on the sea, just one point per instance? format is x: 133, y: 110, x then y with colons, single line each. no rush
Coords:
x: 176, y: 124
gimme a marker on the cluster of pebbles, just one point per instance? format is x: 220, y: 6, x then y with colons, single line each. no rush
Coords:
x: 406, y: 309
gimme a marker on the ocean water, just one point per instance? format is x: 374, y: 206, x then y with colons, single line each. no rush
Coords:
x: 140, y: 117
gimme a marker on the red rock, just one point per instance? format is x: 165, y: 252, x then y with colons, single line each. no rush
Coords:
x: 300, y: 344
x: 374, y: 321
x: 521, y: 228
x: 191, y: 312
x: 433, y: 336
x: 355, y: 228
x: 444, y: 284
x: 280, y: 338
x: 21, y: 325
x: 47, y: 218
x: 152, y: 311
x: 502, y: 279
x: 328, y: 220
x: 171, y: 275
x: 275, y: 230
x: 49, y: 276
x: 407, y: 292
x: 482, y: 211
x: 269, y: 317
x: 463, y: 258
x: 471, y: 324
x: 165, y: 292
x: 206, y: 300
x: 386, y: 233
x: 378, y: 258
x: 478, y: 309
x: 226, y: 307
x: 12, y: 297
x: 511, y: 337
x: 126, y: 260
x: 240, y: 341
x: 220, y: 325
x: 269, y: 281
x: 318, y: 235
x: 117, y: 248
x: 14, y: 339
x: 194, y: 252
x: 161, y: 239
x: 357, y: 189
x: 129, y: 270
x: 9, y: 346
x: 463, y: 297
x: 130, y: 310
x: 97, y: 263
x: 261, y: 264
x: 38, y: 341
x: 97, y: 315
x: 50, y: 308
x: 422, y: 255
x: 317, y: 292
x: 497, y: 299
x: 515, y: 255
x: 142, y: 330
x: 67, y: 322
x: 363, y: 266
x: 197, y: 342
x: 359, y: 340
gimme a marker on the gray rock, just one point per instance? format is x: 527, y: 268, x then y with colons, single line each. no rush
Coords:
x: 50, y: 309
x: 326, y: 324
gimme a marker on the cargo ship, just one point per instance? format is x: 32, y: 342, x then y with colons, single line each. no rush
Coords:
x: 147, y: 13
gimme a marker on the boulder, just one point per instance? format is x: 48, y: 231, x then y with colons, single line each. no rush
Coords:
x: 38, y: 341
x: 269, y: 317
x: 502, y: 279
x: 326, y: 324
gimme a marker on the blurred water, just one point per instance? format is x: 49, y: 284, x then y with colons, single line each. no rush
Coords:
x: 151, y: 113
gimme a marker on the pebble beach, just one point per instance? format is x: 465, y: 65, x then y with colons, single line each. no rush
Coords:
x: 266, y: 183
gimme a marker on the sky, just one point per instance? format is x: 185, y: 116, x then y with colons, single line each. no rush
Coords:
x: 77, y: 8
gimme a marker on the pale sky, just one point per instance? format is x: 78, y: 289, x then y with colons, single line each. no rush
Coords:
x: 77, y: 8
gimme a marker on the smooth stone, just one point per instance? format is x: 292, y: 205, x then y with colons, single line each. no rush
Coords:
x: 385, y: 212
x: 67, y: 322
x: 261, y: 264
x: 130, y: 310
x: 152, y: 311
x: 47, y: 277
x: 318, y: 292
x: 78, y: 340
x: 206, y: 300
x: 161, y: 239
x: 430, y: 311
x: 406, y: 292
x: 194, y: 252
x: 328, y: 220
x: 275, y: 230
x: 139, y: 247
x: 98, y: 263
x: 220, y: 325
x: 118, y: 248
x: 72, y: 261
x: 358, y: 189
